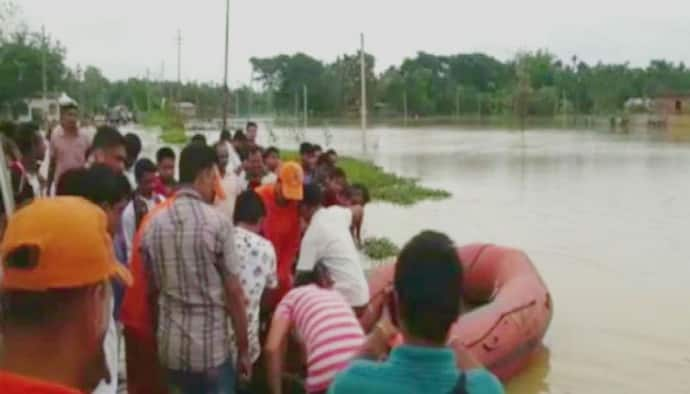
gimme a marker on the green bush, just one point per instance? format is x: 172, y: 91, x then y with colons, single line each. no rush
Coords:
x: 379, y: 248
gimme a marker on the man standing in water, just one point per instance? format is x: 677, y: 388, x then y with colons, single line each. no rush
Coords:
x: 55, y: 298
x: 282, y: 223
x: 68, y: 145
x: 189, y: 251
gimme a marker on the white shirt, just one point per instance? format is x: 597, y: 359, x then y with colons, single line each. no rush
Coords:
x: 111, y: 349
x: 231, y: 190
x: 328, y: 239
x: 257, y: 272
x: 233, y: 159
x: 269, y: 178
x: 129, y: 221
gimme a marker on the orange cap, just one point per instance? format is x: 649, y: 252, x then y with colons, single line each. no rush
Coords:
x: 72, y: 245
x: 291, y: 178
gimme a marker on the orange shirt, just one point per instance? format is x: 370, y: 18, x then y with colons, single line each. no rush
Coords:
x: 282, y: 228
x: 17, y: 384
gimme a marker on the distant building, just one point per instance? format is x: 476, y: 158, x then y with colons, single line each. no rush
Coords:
x: 48, y: 109
x: 671, y: 104
x: 186, y: 109
x: 638, y: 104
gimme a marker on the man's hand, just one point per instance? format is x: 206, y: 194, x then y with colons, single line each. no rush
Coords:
x: 244, y: 366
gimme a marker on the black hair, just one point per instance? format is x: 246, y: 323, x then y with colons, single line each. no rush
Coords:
x: 26, y: 137
x: 239, y: 136
x: 251, y: 124
x: 317, y: 148
x: 305, y: 148
x: 98, y: 184
x: 271, y: 150
x: 331, y: 152
x: 358, y: 187
x: 68, y: 106
x: 428, y: 282
x: 318, y: 273
x: 252, y: 150
x: 225, y: 135
x: 132, y: 145
x: 312, y: 195
x: 143, y: 167
x: 107, y: 137
x: 249, y: 208
x: 34, y: 309
x: 199, y: 139
x: 194, y: 159
x: 165, y: 153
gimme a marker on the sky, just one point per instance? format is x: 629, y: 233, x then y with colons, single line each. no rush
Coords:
x: 124, y: 38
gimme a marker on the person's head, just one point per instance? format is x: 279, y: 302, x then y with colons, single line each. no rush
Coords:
x: 428, y: 285
x: 336, y: 180
x: 165, y: 158
x: 198, y: 139
x: 319, y: 276
x: 100, y: 185
x: 109, y: 148
x: 252, y: 130
x: 289, y: 186
x: 223, y: 156
x: 225, y: 136
x: 318, y: 150
x: 359, y: 194
x: 308, y: 154
x: 30, y: 144
x: 255, y: 162
x: 272, y: 158
x: 133, y: 148
x: 332, y: 156
x: 198, y: 169
x: 69, y: 115
x: 239, y: 140
x: 57, y: 262
x: 311, y: 201
x: 145, y: 174
x: 249, y: 211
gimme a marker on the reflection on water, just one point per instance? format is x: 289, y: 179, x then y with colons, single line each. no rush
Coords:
x: 604, y: 217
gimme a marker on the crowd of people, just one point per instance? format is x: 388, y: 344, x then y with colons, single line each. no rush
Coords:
x: 222, y: 270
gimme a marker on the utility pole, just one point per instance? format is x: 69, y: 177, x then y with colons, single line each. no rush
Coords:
x: 226, y: 91
x: 306, y: 104
x: 148, y: 90
x: 237, y: 103
x: 179, y: 63
x: 457, y: 102
x: 44, y: 73
x: 405, y: 107
x: 363, y: 110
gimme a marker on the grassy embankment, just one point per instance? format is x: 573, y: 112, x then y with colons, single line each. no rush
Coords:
x: 383, y: 186
x: 171, y: 125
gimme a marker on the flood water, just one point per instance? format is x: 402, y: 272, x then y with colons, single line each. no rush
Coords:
x: 605, y: 218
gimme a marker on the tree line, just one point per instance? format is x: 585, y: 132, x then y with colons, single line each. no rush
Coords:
x: 531, y: 84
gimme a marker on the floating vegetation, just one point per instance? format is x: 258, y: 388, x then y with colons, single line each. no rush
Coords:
x: 379, y: 248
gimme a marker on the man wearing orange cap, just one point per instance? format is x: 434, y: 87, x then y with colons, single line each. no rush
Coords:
x: 56, y: 297
x: 282, y: 222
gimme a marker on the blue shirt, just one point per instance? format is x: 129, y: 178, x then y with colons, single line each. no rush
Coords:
x: 412, y: 370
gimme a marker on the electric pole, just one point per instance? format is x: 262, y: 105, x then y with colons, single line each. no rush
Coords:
x: 226, y: 91
x: 179, y: 63
x: 44, y: 73
x: 363, y: 110
x: 405, y: 107
x: 306, y: 105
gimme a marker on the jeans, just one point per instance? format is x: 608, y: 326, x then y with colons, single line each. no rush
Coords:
x: 219, y: 380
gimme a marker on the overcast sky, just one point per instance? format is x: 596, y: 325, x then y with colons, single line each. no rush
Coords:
x: 125, y: 37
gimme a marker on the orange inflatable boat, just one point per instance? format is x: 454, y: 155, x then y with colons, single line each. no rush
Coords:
x: 515, y: 309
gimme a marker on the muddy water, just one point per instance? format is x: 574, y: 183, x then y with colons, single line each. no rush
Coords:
x: 605, y: 217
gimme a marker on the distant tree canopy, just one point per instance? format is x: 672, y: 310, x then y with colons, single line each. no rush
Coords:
x: 533, y: 83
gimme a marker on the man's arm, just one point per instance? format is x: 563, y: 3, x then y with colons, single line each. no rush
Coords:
x: 228, y: 269
x: 356, y: 226
x: 51, y: 173
x: 274, y: 352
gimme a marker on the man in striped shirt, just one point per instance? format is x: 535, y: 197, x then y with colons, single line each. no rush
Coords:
x: 325, y: 325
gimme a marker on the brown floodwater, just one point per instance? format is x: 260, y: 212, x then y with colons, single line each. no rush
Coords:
x: 604, y: 216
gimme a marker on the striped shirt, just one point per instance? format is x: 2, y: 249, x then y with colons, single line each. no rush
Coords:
x: 185, y: 248
x: 329, y: 329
